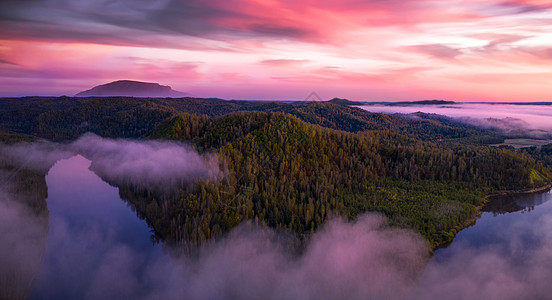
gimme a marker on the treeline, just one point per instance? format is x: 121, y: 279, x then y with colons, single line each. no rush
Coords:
x: 66, y: 118
x: 291, y: 175
x: 294, y: 166
x: 125, y: 118
x: 542, y: 154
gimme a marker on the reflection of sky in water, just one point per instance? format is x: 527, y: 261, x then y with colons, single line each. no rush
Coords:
x: 533, y: 200
x: 514, y: 234
x: 97, y: 248
x: 91, y: 231
x: 537, y: 116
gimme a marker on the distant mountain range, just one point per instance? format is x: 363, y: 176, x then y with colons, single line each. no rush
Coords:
x: 422, y: 102
x: 132, y: 89
x: 402, y: 103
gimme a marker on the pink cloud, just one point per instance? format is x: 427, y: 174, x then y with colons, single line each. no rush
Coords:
x: 284, y: 62
x: 269, y: 46
x: 439, y: 51
x: 340, y: 76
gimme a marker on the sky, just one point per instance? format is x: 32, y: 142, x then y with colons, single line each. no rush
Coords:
x: 461, y: 50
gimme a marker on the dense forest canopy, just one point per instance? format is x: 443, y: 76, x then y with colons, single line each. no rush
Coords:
x: 294, y: 166
x: 66, y: 118
x: 293, y: 175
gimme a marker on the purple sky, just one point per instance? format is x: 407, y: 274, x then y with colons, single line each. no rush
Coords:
x: 469, y: 50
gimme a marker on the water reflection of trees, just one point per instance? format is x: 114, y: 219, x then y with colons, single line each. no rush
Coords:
x: 505, y: 204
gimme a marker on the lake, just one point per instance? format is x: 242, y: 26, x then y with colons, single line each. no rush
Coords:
x: 93, y: 237
x: 97, y: 247
x: 511, y: 225
x: 506, y: 254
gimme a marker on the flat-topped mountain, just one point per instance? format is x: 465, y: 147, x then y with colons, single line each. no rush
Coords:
x: 132, y: 89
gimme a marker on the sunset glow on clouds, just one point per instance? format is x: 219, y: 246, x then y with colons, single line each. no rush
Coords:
x: 464, y: 50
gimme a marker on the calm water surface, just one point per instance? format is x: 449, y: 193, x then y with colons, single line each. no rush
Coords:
x: 511, y: 225
x: 93, y: 235
x: 97, y: 246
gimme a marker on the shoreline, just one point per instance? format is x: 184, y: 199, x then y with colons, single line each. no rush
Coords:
x: 466, y: 224
x: 471, y: 221
x: 536, y: 190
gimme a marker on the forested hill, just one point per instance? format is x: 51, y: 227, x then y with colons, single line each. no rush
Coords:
x: 292, y: 175
x: 294, y: 166
x: 67, y: 118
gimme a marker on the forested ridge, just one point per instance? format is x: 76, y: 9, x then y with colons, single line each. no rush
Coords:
x: 294, y: 166
x: 542, y: 154
x: 68, y: 118
x: 287, y: 174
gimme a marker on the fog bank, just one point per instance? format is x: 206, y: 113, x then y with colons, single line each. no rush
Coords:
x: 39, y: 156
x: 364, y: 259
x: 530, y: 120
x: 22, y: 239
x: 147, y: 164
x: 516, y: 271
x: 359, y: 260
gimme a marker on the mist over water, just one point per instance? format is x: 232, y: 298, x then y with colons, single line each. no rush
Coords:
x: 93, y: 237
x: 148, y: 164
x: 506, y: 255
x: 22, y: 240
x: 533, y: 120
x: 97, y: 248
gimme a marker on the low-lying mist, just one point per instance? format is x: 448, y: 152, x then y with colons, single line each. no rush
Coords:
x: 146, y: 164
x: 359, y: 260
x: 512, y: 271
x: 39, y: 156
x: 22, y: 238
x: 364, y: 259
x: 519, y: 120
